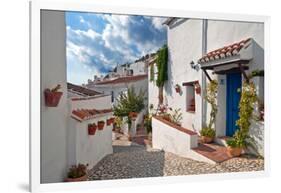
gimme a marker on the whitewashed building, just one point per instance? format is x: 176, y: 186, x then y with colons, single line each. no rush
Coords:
x: 64, y: 136
x: 222, y: 49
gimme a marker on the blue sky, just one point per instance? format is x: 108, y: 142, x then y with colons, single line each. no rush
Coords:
x: 96, y: 43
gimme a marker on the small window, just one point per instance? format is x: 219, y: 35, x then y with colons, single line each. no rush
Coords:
x: 190, y: 96
x: 112, y: 96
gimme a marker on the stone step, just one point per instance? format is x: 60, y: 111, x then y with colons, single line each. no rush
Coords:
x: 214, y: 152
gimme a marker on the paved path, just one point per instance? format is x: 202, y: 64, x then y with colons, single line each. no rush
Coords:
x: 131, y: 160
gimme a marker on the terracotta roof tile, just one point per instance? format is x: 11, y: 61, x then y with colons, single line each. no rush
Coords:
x: 124, y: 79
x: 81, y: 90
x: 226, y: 51
x: 84, y: 114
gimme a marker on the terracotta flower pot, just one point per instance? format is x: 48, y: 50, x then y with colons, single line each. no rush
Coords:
x: 52, y: 98
x: 101, y: 125
x: 82, y: 178
x: 206, y: 139
x: 133, y: 115
x: 92, y: 129
x: 234, y: 151
x: 178, y: 89
x: 108, y: 122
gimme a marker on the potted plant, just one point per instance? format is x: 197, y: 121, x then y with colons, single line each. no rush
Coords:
x: 207, y: 135
x: 77, y: 173
x: 92, y: 129
x: 239, y: 141
x: 101, y: 125
x: 52, y: 96
x: 178, y: 88
x: 176, y: 117
x: 197, y: 88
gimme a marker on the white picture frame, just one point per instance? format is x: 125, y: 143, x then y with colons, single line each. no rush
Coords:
x: 36, y: 6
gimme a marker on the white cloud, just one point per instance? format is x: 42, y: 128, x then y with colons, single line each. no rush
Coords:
x: 158, y: 22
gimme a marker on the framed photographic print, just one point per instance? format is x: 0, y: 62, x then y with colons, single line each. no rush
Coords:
x: 132, y: 95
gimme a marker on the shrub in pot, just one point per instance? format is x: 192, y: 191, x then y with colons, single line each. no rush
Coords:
x: 92, y: 128
x: 239, y: 141
x: 101, y: 125
x: 207, y: 134
x: 108, y: 122
x: 77, y: 173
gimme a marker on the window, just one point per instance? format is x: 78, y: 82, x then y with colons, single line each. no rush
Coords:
x: 190, y: 96
x: 112, y: 96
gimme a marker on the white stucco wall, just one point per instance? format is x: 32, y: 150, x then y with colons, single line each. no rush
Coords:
x: 53, y: 119
x: 88, y: 149
x: 84, y: 148
x: 138, y: 68
x: 184, y: 45
x: 172, y: 140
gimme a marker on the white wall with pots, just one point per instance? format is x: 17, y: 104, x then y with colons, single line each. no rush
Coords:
x: 53, y: 119
x: 88, y: 149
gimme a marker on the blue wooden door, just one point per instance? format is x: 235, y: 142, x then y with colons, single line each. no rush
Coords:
x: 232, y: 102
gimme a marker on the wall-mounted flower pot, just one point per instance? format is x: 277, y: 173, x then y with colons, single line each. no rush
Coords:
x: 101, y: 125
x: 92, y: 128
x: 178, y: 89
x: 52, y: 98
x: 108, y: 122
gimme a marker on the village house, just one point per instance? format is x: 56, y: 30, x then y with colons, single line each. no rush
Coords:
x: 199, y: 51
x: 86, y: 108
x: 65, y: 135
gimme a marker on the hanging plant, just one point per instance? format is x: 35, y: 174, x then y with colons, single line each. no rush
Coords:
x: 162, y: 66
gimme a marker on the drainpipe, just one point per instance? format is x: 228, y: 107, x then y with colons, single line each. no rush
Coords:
x: 204, y: 51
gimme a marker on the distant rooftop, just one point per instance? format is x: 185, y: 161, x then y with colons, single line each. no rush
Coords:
x: 80, y: 90
x: 124, y: 79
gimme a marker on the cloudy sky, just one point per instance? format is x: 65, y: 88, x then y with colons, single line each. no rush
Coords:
x: 97, y: 42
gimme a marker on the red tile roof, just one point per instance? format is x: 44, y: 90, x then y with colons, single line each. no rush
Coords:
x: 125, y: 79
x: 224, y: 52
x: 85, y: 114
x: 81, y: 90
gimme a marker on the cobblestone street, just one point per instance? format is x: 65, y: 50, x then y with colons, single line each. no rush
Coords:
x: 131, y: 160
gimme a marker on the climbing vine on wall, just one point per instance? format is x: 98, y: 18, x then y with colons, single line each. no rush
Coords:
x: 247, y: 104
x: 162, y: 66
x: 211, y: 97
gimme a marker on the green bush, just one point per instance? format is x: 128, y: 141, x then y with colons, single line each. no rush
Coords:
x: 130, y: 102
x: 207, y: 132
x: 240, y: 140
x: 148, y: 123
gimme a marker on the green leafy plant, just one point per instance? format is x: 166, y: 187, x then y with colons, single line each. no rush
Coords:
x: 118, y: 121
x: 77, y: 171
x: 240, y: 140
x: 211, y: 98
x: 148, y: 123
x: 176, y: 116
x: 162, y: 66
x: 207, y: 132
x: 130, y: 102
